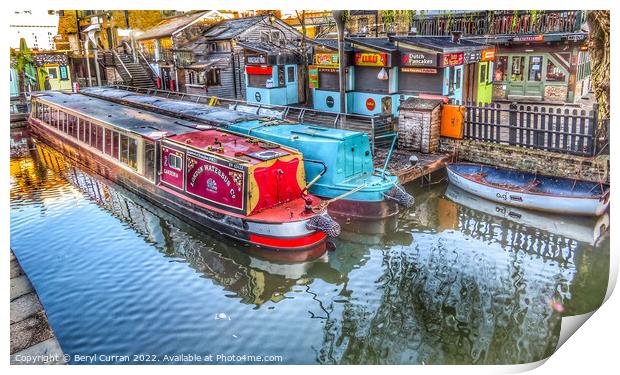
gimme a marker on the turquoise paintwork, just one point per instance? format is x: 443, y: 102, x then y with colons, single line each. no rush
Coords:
x: 288, y: 94
x: 346, y: 153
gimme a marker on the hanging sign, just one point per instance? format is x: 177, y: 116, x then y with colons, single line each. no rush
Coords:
x: 313, y: 77
x: 452, y: 59
x: 419, y: 59
x: 255, y: 59
x: 529, y: 38
x: 371, y: 59
x: 488, y: 55
x: 472, y: 57
x: 419, y: 70
x: 326, y: 59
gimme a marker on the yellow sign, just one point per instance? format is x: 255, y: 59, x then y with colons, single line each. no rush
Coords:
x: 326, y: 59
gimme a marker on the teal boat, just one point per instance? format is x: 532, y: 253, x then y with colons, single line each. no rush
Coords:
x: 338, y: 163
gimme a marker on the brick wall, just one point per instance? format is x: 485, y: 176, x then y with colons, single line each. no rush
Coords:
x: 530, y: 160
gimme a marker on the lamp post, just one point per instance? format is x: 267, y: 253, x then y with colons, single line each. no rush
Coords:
x: 337, y: 14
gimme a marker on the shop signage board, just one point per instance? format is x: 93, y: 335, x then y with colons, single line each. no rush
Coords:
x: 472, y: 57
x: 419, y: 70
x: 370, y: 104
x: 255, y: 59
x: 453, y: 59
x: 529, y: 38
x: 419, y: 59
x: 371, y: 59
x: 488, y: 55
x: 264, y: 70
x: 326, y: 59
x: 313, y: 76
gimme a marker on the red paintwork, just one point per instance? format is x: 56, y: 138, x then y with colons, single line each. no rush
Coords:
x: 262, y: 70
x: 285, y: 243
x: 215, y: 182
x: 171, y: 175
x: 232, y: 145
x: 277, y: 187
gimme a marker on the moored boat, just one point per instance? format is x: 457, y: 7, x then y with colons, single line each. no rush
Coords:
x: 244, y: 188
x: 338, y: 162
x: 529, y: 190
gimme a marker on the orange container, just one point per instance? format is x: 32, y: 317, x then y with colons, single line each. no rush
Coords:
x: 452, y: 119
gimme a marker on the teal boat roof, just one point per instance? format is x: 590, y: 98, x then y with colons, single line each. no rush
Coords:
x: 300, y: 130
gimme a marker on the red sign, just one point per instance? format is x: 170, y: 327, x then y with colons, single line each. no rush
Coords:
x: 488, y: 55
x: 529, y: 38
x: 371, y: 59
x: 452, y: 59
x: 370, y: 104
x: 214, y: 182
x: 264, y: 70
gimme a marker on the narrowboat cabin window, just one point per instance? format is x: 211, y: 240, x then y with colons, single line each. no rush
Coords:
x: 133, y: 153
x: 554, y: 72
x: 93, y: 135
x: 115, y: 145
x: 108, y: 142
x: 535, y: 73
x: 124, y: 149
x: 149, y: 160
x: 175, y: 162
x: 100, y: 138
x: 54, y: 115
x: 84, y: 131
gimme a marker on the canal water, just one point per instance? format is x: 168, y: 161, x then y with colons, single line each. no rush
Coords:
x: 460, y: 281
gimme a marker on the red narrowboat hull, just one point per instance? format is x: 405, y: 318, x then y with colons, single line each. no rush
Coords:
x: 264, y: 232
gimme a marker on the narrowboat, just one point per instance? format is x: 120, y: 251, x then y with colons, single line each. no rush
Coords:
x: 338, y: 163
x: 244, y: 188
x: 531, y: 191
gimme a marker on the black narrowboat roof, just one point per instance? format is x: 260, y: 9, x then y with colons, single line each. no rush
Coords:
x: 216, y: 115
x: 141, y: 122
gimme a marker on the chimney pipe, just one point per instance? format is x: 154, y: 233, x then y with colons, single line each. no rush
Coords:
x: 456, y: 37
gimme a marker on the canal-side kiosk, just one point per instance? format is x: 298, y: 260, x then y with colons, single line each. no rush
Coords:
x: 375, y: 76
x: 447, y: 68
x: 272, y: 73
x: 323, y: 74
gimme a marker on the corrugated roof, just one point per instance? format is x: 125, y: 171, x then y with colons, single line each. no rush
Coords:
x: 170, y: 26
x: 229, y: 29
x: 382, y: 44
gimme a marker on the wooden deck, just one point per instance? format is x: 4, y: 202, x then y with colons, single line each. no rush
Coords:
x: 400, y: 166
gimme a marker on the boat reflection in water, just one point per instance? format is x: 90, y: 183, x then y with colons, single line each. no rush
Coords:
x: 255, y: 275
x: 583, y: 229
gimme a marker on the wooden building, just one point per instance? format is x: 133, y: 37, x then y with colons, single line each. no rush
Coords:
x: 214, y: 62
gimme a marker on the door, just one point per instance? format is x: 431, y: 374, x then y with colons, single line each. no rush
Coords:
x: 292, y: 87
x: 165, y: 78
x: 470, y: 83
x: 485, y: 82
x: 534, y: 82
x: 517, y: 76
x: 455, y: 85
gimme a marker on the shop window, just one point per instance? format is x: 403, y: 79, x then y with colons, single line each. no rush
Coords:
x: 53, y: 73
x: 329, y: 81
x: 554, y: 72
x: 213, y: 77
x: 457, y: 84
x: 518, y: 63
x: 260, y: 80
x: 281, y: 76
x: 290, y: 74
x: 535, y: 73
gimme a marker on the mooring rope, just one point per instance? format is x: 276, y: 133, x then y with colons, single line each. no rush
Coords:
x: 323, y: 205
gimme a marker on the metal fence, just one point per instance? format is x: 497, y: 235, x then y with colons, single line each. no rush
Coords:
x: 550, y: 128
x: 377, y: 126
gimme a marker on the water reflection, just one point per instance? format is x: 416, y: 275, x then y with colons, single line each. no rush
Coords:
x: 458, y: 281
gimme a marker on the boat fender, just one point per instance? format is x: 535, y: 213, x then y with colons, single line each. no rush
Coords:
x: 325, y: 224
x: 398, y: 194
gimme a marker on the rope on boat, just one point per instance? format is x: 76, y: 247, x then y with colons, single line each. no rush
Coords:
x: 398, y: 194
x: 323, y: 205
x: 325, y: 224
